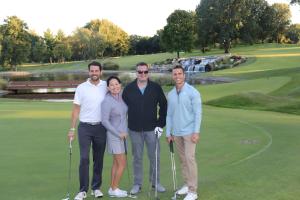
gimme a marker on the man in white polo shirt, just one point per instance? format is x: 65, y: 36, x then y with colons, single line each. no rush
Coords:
x: 87, y: 107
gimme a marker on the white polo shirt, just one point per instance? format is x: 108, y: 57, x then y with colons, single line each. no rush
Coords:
x: 90, y: 97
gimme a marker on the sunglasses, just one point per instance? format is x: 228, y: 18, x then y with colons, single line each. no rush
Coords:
x: 142, y: 72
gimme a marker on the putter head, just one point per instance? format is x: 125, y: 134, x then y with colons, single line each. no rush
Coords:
x: 66, y: 198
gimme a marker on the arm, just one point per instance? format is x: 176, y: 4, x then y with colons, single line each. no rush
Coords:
x: 197, y: 108
x: 162, y: 102
x: 124, y: 95
x: 105, y: 114
x: 74, y: 118
x: 169, y: 124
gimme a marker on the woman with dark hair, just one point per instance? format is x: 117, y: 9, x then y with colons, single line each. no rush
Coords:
x: 114, y: 119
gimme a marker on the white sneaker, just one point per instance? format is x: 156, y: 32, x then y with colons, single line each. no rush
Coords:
x: 183, y: 190
x: 97, y: 193
x: 124, y: 191
x: 191, y: 196
x: 80, y: 196
x: 111, y: 190
x: 117, y: 193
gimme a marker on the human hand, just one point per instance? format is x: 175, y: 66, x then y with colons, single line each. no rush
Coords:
x: 170, y: 139
x: 71, y: 134
x: 158, y: 131
x: 195, y: 137
x: 123, y: 136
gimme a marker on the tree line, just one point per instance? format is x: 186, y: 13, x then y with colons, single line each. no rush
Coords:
x: 218, y: 23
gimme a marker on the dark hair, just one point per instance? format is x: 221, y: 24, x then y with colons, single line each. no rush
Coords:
x: 141, y: 64
x: 178, y: 66
x: 112, y: 77
x: 95, y: 63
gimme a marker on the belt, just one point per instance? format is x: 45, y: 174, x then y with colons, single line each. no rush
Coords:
x: 91, y: 123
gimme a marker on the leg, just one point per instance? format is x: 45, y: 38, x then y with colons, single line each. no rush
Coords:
x: 191, y: 164
x: 113, y: 172
x: 137, y: 142
x: 84, y: 140
x: 150, y: 140
x: 179, y: 141
x: 120, y: 161
x: 99, y: 143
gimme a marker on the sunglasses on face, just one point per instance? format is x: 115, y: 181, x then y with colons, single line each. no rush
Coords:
x: 142, y: 72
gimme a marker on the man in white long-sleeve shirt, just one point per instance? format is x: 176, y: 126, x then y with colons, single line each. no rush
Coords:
x: 183, y: 127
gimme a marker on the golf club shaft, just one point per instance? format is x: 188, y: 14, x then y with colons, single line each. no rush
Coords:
x: 173, y: 166
x: 156, y: 165
x: 125, y: 147
x: 69, y: 172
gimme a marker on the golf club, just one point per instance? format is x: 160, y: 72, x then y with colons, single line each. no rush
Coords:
x: 152, y: 174
x: 125, y: 147
x: 156, y: 164
x: 69, y: 178
x: 173, y: 169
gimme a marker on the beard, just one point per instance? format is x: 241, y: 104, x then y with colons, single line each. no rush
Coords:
x: 94, y: 78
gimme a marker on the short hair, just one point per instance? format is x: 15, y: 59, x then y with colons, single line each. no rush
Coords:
x: 95, y: 63
x: 178, y: 66
x: 111, y: 78
x: 141, y: 64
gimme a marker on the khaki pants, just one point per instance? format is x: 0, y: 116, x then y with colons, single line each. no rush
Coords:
x: 186, y: 150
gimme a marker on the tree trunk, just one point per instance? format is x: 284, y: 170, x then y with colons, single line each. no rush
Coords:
x: 226, y: 46
x: 177, y: 54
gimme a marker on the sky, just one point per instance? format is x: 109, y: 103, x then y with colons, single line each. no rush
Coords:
x: 139, y: 17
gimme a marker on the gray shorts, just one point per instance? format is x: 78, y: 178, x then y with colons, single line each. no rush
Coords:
x: 115, y: 146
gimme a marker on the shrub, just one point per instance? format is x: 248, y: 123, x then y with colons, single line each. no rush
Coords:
x: 126, y: 78
x: 3, y: 84
x: 162, y: 79
x: 110, y: 66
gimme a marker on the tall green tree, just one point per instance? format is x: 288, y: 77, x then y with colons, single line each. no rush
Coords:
x: 62, y: 48
x: 207, y: 23
x: 97, y: 45
x: 293, y: 33
x: 178, y: 34
x: 50, y: 42
x: 266, y: 24
x: 15, y: 43
x: 282, y: 20
x: 80, y: 42
x: 38, y: 48
x: 251, y: 18
x: 220, y: 20
x: 62, y: 51
x: 117, y: 40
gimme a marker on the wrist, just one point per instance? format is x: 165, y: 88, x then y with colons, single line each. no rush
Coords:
x: 72, y: 130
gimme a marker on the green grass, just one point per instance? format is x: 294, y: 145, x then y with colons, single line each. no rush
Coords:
x: 270, y: 80
x: 242, y: 154
x: 245, y: 152
x: 258, y: 101
x: 125, y: 62
x: 262, y: 85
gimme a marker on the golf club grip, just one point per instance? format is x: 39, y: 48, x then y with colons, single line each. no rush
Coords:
x: 125, y: 146
x: 171, y: 147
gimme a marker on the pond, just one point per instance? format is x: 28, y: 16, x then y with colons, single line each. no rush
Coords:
x: 56, y: 93
x: 162, y: 78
